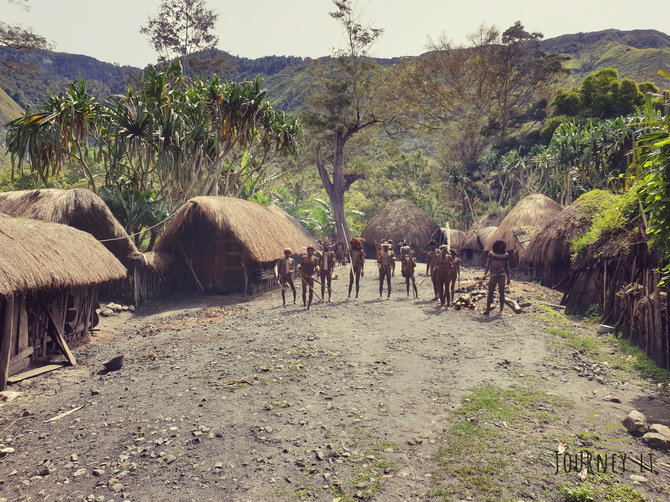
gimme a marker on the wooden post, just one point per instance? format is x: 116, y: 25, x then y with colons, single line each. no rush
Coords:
x: 136, y: 285
x: 190, y: 267
x: 8, y: 333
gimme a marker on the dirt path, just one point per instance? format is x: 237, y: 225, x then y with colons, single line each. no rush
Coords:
x: 219, y: 400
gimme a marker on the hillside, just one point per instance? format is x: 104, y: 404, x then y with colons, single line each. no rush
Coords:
x: 636, y: 54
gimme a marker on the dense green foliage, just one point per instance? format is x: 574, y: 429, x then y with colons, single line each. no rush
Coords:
x: 602, y: 95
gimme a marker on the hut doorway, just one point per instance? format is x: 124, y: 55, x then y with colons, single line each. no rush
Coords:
x: 218, y: 262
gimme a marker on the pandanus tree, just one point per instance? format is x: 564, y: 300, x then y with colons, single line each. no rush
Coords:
x: 173, y: 136
x: 57, y: 133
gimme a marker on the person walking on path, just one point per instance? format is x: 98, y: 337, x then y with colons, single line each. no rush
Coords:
x: 309, y: 265
x: 326, y: 266
x: 285, y: 269
x: 386, y: 261
x: 497, y: 263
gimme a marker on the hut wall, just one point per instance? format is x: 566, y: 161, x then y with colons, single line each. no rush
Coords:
x: 32, y: 322
x: 630, y: 298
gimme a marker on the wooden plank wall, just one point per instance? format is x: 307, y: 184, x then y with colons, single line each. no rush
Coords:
x: 31, y: 322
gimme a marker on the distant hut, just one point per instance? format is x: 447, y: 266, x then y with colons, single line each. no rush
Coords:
x: 548, y: 255
x: 527, y: 218
x: 400, y: 220
x: 82, y: 209
x: 465, y: 245
x: 49, y: 280
x: 483, y: 235
x: 228, y: 245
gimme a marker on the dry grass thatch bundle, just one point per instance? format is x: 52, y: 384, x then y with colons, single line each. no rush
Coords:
x: 483, y: 235
x: 527, y: 218
x: 37, y: 255
x: 263, y: 231
x: 403, y: 219
x: 547, y: 257
x: 78, y: 208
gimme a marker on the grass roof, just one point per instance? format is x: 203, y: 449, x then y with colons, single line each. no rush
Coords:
x: 38, y: 255
x: 79, y: 208
x: 263, y: 231
x: 400, y: 220
x: 527, y: 218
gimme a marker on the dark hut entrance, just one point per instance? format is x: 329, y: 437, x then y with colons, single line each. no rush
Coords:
x: 219, y: 263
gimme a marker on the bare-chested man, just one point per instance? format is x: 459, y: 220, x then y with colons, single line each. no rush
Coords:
x: 442, y: 272
x: 308, y: 266
x: 386, y: 262
x: 285, y: 269
x: 431, y: 260
x: 357, y: 257
x: 326, y: 266
x: 497, y: 263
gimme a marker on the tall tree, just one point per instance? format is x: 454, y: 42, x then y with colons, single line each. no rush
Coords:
x: 181, y: 28
x: 343, y: 107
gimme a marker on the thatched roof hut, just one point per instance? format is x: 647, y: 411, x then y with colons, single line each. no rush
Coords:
x: 49, y: 279
x: 465, y: 245
x: 78, y: 208
x: 400, y: 220
x: 38, y: 255
x: 527, y: 218
x: 483, y: 235
x: 548, y: 255
x: 229, y: 244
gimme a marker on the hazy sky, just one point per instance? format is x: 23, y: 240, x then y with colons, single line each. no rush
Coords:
x: 109, y: 29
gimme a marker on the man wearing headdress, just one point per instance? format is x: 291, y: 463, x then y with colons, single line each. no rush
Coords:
x: 326, y: 266
x: 285, y: 269
x: 309, y: 265
x: 386, y: 262
x: 497, y: 262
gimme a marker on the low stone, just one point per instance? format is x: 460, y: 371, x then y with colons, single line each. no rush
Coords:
x: 636, y: 423
x: 656, y: 441
x: 636, y: 478
x: 169, y: 458
x: 106, y: 312
x: 661, y: 429
x: 79, y: 472
x: 8, y: 450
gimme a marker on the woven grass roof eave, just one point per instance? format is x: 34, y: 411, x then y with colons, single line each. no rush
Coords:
x: 36, y: 255
x: 79, y: 208
x: 530, y: 215
x: 403, y: 219
x: 263, y: 231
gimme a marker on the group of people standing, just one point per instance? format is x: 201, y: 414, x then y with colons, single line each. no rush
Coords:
x: 443, y: 267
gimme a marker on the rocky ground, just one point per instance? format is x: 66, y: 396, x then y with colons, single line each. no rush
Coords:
x: 230, y: 398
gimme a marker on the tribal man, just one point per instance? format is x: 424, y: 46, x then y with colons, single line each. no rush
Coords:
x: 326, y: 266
x: 309, y: 265
x: 285, y: 269
x: 386, y: 261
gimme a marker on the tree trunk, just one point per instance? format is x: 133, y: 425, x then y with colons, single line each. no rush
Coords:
x: 335, y: 187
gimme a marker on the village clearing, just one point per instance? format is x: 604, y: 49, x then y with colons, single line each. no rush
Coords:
x: 232, y: 398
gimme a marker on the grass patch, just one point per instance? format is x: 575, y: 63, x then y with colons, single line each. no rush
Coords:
x: 551, y: 316
x: 488, y: 451
x: 633, y: 358
x: 600, y: 489
x: 578, y: 342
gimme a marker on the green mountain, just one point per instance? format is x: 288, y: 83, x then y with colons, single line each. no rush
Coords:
x: 636, y: 54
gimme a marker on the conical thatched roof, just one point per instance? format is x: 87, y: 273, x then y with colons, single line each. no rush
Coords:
x: 547, y: 256
x: 78, y: 208
x: 263, y: 231
x: 400, y: 220
x: 527, y: 218
x: 483, y: 235
x: 37, y: 255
